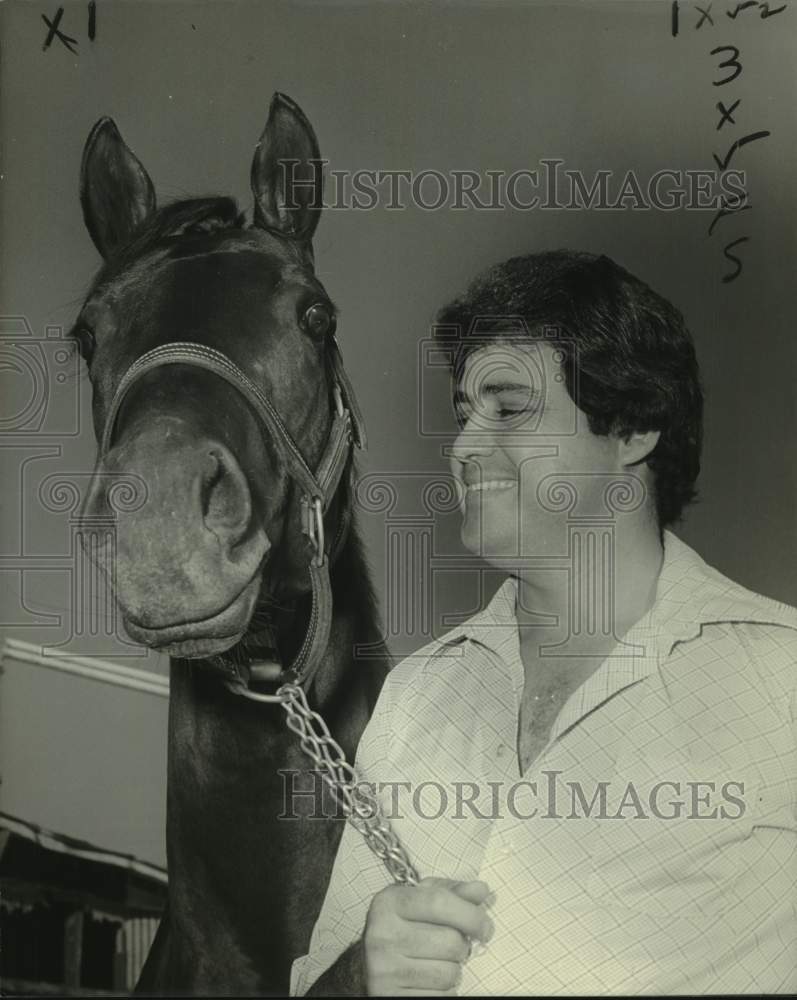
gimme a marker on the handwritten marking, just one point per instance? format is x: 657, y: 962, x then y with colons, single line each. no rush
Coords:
x: 705, y: 16
x: 766, y: 12
x: 674, y: 18
x: 55, y: 33
x: 727, y: 113
x: 727, y: 57
x: 733, y: 61
x: 68, y: 41
x: 732, y: 276
x: 725, y: 211
x: 733, y: 14
x: 752, y: 137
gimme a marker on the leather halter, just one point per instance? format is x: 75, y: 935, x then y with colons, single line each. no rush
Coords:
x: 317, y: 488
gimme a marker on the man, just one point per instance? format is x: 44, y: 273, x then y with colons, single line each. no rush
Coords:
x: 595, y: 775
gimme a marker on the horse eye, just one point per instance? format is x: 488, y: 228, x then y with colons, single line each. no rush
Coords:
x: 318, y: 320
x: 86, y: 342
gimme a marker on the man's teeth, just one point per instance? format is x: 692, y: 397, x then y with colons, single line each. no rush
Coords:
x: 493, y: 484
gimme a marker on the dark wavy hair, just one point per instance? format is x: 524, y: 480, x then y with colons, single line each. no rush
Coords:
x: 630, y: 361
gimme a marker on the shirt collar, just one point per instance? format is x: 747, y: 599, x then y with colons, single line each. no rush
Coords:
x: 689, y: 594
x: 489, y: 626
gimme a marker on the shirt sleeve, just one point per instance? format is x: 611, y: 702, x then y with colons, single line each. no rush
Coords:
x: 357, y: 874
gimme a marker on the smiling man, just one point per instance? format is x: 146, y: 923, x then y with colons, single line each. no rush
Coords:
x: 594, y: 775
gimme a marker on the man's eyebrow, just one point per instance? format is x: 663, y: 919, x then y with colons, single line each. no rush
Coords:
x: 495, y: 388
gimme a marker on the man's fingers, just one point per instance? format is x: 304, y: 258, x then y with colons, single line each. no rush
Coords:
x: 427, y: 974
x: 417, y: 938
x: 436, y: 903
x: 457, y: 885
x: 474, y: 892
x: 422, y: 940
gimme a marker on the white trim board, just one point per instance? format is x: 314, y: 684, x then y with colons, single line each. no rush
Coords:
x: 89, y: 667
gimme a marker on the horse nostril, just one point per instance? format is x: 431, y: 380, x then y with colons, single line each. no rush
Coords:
x: 225, y: 499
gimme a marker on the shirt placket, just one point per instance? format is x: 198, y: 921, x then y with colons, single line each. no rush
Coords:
x: 504, y: 655
x: 613, y: 676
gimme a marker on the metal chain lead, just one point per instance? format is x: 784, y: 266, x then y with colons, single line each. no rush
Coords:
x: 360, y: 806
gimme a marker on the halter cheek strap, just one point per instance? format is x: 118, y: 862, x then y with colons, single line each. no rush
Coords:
x: 317, y: 488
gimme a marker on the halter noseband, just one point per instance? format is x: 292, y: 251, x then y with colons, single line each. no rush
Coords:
x: 317, y: 488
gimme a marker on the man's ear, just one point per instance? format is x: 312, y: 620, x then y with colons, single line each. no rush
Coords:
x: 635, y: 447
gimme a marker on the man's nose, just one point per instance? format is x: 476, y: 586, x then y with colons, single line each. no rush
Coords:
x: 474, y: 440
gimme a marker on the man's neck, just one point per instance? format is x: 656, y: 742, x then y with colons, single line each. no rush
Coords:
x: 627, y: 592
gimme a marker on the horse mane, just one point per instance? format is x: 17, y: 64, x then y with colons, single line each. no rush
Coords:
x: 174, y: 219
x: 352, y: 586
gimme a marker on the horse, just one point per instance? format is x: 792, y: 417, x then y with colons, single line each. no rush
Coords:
x: 218, y: 388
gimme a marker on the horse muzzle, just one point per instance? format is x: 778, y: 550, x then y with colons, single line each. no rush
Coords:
x: 186, y: 564
x: 199, y: 639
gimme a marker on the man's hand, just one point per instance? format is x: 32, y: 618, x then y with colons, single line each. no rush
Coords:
x: 417, y: 937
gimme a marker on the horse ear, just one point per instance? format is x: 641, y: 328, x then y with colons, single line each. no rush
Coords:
x: 287, y: 174
x: 115, y: 190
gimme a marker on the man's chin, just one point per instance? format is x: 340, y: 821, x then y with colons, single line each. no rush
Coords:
x: 493, y: 548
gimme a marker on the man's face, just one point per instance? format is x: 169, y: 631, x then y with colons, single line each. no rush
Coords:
x: 526, y: 457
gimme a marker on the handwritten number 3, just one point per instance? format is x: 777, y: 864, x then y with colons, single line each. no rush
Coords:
x: 733, y: 62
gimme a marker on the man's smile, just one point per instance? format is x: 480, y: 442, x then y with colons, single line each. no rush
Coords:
x: 490, y: 484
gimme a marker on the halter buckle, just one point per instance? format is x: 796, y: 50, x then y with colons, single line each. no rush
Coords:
x: 337, y: 396
x: 314, y: 510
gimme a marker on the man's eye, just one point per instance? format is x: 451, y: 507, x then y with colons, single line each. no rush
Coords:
x: 463, y: 414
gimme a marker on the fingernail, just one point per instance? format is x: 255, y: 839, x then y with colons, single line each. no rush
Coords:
x: 477, y: 949
x: 489, y: 899
x: 490, y: 931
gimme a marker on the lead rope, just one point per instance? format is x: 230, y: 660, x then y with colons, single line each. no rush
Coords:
x: 359, y: 805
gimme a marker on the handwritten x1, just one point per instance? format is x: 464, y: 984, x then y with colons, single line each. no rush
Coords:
x: 53, y: 32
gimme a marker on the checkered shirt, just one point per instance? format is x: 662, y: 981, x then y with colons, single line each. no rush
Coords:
x: 651, y: 847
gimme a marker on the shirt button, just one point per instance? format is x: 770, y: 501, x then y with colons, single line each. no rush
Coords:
x: 502, y: 750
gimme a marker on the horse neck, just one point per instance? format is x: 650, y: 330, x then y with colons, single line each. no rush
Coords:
x: 356, y: 645
x: 229, y: 762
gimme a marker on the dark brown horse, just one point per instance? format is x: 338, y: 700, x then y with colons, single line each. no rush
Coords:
x: 213, y: 565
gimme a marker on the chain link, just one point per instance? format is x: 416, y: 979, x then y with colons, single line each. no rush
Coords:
x: 360, y: 806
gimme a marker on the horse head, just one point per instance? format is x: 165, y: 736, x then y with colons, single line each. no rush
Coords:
x: 220, y: 525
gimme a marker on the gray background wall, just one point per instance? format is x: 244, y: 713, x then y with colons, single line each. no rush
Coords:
x: 388, y: 86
